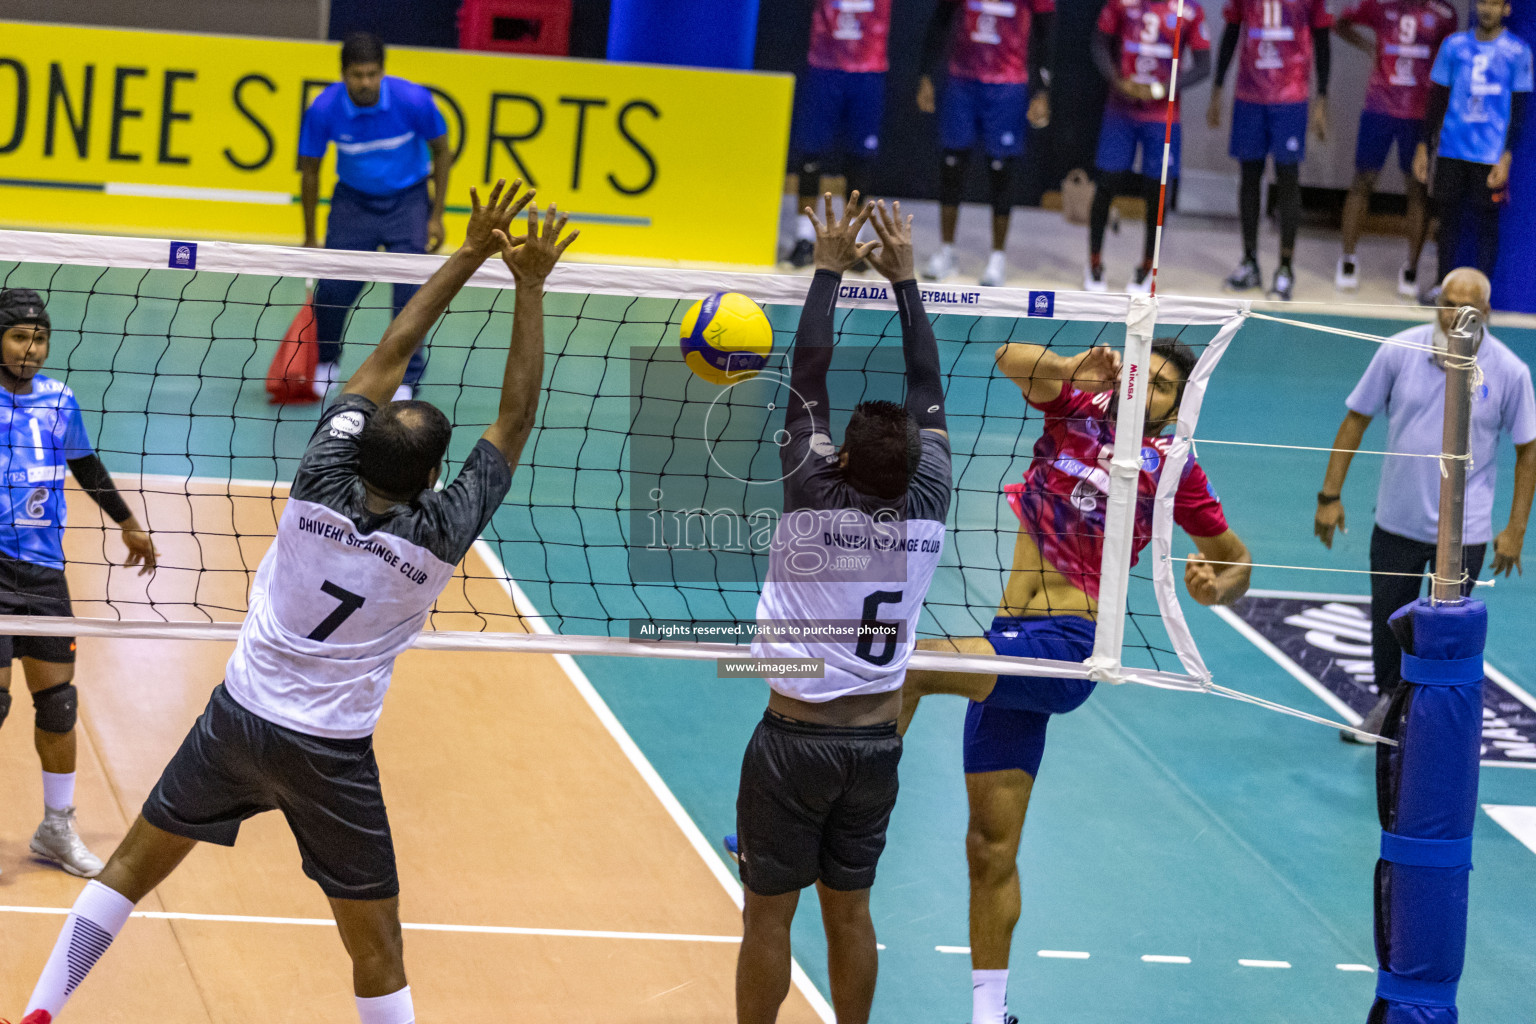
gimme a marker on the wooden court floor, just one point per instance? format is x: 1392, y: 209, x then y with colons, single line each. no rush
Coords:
x: 548, y: 881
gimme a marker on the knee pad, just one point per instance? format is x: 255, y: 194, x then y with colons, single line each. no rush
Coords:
x: 56, y: 708
x: 1000, y: 184
x: 952, y: 176
x: 5, y: 705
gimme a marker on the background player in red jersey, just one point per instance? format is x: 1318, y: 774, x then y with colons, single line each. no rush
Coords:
x: 842, y: 99
x: 997, y: 68
x: 1142, y: 33
x: 1270, y: 116
x: 1408, y: 35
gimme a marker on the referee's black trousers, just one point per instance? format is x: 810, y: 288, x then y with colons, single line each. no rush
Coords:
x: 1392, y: 553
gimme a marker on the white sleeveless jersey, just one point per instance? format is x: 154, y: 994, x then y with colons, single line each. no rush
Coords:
x: 842, y: 560
x: 342, y: 591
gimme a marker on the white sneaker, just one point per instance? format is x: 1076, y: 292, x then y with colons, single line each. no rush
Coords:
x: 941, y: 265
x: 996, y: 272
x: 1408, y: 282
x: 1140, y: 282
x: 404, y: 393
x: 1346, y: 276
x: 325, y: 378
x: 1093, y: 278
x: 57, y: 840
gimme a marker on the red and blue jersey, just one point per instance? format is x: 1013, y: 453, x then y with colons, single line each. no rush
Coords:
x: 1147, y: 30
x: 850, y: 35
x: 1274, y: 63
x: 992, y: 39
x: 1065, y: 490
x: 1408, y: 35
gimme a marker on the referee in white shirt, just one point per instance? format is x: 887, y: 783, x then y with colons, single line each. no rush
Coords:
x: 1410, y: 385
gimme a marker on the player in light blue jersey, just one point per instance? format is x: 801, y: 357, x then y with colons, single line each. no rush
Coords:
x: 1476, y: 105
x: 43, y: 438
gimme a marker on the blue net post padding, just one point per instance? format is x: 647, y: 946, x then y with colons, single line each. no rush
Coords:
x: 1426, y: 791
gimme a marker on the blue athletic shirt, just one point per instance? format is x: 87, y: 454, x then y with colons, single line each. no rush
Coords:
x: 43, y: 431
x: 1481, y: 77
x: 379, y: 149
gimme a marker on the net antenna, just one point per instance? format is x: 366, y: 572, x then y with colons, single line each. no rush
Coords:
x: 1168, y: 116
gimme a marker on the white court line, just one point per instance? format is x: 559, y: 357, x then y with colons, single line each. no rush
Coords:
x: 1153, y: 958
x: 963, y: 950
x: 1275, y: 964
x: 643, y: 766
x: 1062, y: 954
x: 467, y: 929
x: 1362, y: 968
x: 1519, y: 822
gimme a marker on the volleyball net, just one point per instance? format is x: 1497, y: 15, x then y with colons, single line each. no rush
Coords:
x: 640, y: 517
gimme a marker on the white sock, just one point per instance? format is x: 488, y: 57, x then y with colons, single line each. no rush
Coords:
x: 58, y: 790
x: 805, y: 231
x: 394, y: 1008
x: 989, y: 997
x: 94, y: 921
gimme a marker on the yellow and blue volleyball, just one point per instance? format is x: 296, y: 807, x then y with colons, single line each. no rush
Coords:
x: 726, y: 338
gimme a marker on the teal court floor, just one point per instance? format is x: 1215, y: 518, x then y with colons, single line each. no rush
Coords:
x: 1186, y: 858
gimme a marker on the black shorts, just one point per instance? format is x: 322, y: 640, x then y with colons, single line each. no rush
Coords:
x: 30, y: 589
x: 235, y: 764
x: 814, y: 804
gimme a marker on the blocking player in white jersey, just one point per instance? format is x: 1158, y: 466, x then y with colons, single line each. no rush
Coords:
x: 818, y: 780
x: 364, y: 547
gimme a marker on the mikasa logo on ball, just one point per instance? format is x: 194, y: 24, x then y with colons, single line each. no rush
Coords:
x: 346, y: 423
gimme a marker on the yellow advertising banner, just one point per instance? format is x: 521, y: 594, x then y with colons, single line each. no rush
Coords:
x: 196, y: 136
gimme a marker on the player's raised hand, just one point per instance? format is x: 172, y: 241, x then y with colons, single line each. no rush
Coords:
x: 893, y: 259
x: 141, y: 547
x: 532, y: 256
x: 1200, y: 579
x: 494, y: 215
x: 1096, y: 370
x: 837, y: 238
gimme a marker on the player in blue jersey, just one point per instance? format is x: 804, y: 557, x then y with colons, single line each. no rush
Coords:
x: 44, y: 437
x: 1476, y: 105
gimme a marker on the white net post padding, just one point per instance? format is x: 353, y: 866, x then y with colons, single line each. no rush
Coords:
x: 1164, y: 581
x: 1124, y: 479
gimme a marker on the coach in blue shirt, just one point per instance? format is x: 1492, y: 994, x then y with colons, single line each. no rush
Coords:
x: 388, y: 134
x: 1476, y: 105
x: 1409, y: 384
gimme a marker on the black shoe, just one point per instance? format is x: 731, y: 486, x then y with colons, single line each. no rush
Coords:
x: 803, y: 254
x: 1245, y: 277
x: 1285, y: 280
x: 1375, y: 720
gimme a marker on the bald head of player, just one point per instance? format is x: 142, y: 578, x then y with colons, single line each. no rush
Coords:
x: 881, y: 449
x: 401, y: 450
x: 24, y: 332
